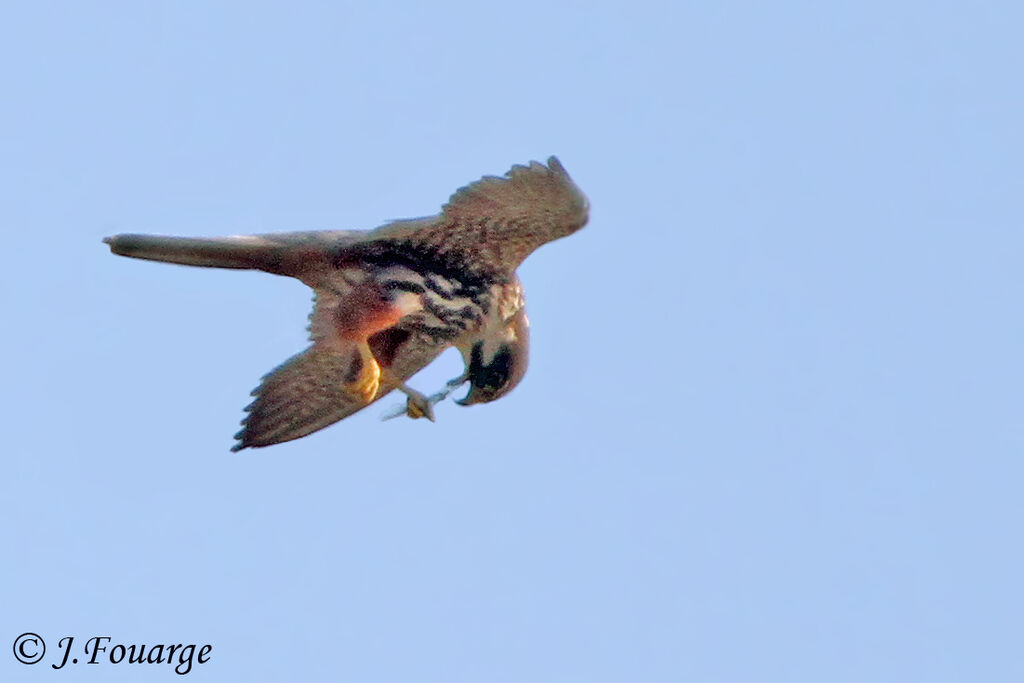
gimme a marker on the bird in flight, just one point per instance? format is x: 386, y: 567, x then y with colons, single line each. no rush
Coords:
x: 388, y: 301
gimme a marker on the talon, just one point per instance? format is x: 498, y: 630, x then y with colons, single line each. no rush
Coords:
x: 449, y: 388
x: 457, y: 382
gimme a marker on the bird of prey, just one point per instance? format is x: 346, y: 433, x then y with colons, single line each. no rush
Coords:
x: 388, y: 301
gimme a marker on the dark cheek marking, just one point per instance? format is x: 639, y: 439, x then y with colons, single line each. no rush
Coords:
x: 490, y: 378
x: 476, y: 358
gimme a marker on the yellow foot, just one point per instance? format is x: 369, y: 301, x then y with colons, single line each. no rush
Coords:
x: 363, y: 378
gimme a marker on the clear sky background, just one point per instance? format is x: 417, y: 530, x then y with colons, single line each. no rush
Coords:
x: 772, y: 430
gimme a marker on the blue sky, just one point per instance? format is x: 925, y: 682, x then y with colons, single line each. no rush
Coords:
x: 772, y: 425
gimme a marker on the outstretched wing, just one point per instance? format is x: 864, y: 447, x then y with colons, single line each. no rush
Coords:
x: 495, y: 222
x: 308, y: 256
x: 307, y: 392
x: 498, y: 222
x: 300, y: 396
x: 537, y: 193
x: 272, y: 252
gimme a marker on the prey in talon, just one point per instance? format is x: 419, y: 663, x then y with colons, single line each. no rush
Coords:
x: 388, y: 301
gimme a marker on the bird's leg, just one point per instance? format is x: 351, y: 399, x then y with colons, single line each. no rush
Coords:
x: 366, y: 310
x: 418, y: 405
x: 363, y: 378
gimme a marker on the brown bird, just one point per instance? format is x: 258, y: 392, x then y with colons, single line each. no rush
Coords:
x: 388, y: 301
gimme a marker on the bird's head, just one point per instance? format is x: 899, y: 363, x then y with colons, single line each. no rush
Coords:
x: 495, y: 365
